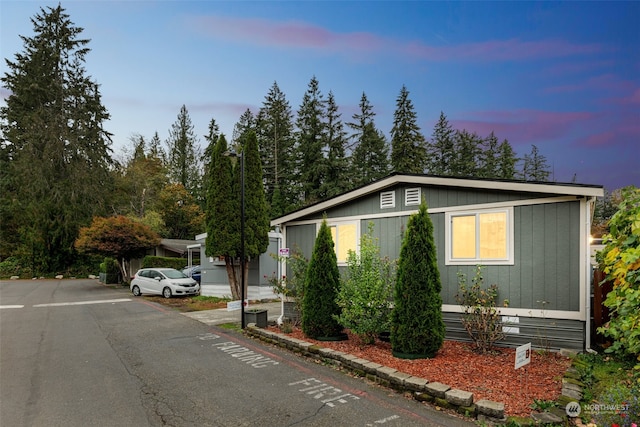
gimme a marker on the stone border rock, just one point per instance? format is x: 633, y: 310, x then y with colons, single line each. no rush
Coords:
x: 421, y: 389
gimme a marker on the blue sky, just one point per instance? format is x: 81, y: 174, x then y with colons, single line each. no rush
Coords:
x: 563, y: 76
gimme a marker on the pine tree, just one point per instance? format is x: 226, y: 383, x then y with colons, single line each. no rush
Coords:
x: 336, y: 173
x: 155, y: 148
x: 417, y: 328
x: 441, y: 149
x: 370, y: 154
x: 467, y: 151
x: 310, y: 134
x: 506, y: 161
x: 535, y: 167
x: 246, y: 123
x: 55, y: 151
x: 408, y: 146
x: 274, y: 129
x: 184, y: 154
x: 489, y: 157
x: 322, y: 281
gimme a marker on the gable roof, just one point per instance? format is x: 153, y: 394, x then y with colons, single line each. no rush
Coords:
x: 578, y: 190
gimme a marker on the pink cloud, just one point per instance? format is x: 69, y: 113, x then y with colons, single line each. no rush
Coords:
x: 303, y: 35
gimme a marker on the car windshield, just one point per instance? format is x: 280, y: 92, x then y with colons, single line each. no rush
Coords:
x: 174, y: 274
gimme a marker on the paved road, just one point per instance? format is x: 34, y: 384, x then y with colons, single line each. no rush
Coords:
x: 76, y: 353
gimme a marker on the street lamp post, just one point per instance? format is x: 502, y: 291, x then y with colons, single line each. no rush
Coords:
x: 243, y: 322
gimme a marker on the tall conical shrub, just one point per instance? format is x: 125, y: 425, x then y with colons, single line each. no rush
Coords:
x: 417, y: 328
x: 321, y: 288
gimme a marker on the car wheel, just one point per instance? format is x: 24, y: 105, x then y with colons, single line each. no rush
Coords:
x: 136, y: 291
x: 166, y: 292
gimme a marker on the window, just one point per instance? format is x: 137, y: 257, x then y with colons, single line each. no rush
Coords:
x: 411, y: 196
x: 345, y: 239
x: 387, y: 199
x: 482, y: 237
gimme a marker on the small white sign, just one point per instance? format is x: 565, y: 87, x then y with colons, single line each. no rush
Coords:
x: 235, y: 305
x: 284, y: 252
x: 523, y: 355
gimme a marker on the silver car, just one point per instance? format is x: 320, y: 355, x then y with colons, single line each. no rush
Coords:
x: 167, y: 282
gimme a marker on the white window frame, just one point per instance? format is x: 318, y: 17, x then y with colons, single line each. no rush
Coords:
x: 412, y: 196
x: 508, y: 260
x: 338, y: 224
x: 387, y: 199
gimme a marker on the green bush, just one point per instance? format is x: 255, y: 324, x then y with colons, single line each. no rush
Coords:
x: 481, y: 319
x: 417, y: 328
x: 111, y: 270
x: 620, y: 261
x: 366, y: 293
x: 11, y: 267
x: 319, y: 306
x: 163, y: 262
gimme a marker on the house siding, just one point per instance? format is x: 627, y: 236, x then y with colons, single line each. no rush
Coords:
x: 545, y: 275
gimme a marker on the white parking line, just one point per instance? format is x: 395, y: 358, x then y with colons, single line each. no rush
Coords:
x: 10, y: 306
x: 105, y: 301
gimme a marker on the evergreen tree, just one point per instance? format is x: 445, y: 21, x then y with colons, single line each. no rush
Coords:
x: 408, y: 146
x: 535, y: 167
x: 417, y: 328
x: 370, y: 154
x: 155, y: 148
x: 466, y: 153
x: 274, y: 129
x: 506, y: 161
x: 336, y: 173
x: 55, y: 151
x: 246, y: 123
x: 322, y: 281
x: 184, y: 154
x: 441, y: 150
x: 489, y: 157
x: 222, y: 214
x: 310, y: 135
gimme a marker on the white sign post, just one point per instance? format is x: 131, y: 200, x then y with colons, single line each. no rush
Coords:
x: 523, y: 355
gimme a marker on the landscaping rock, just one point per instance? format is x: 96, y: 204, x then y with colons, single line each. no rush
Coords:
x: 490, y: 408
x: 546, y: 418
x: 459, y: 397
x: 437, y: 389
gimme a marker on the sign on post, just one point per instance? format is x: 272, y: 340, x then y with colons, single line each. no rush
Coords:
x: 523, y: 355
x: 284, y: 252
x: 235, y: 305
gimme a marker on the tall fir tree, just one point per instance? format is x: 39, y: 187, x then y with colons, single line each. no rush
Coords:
x: 507, y: 161
x: 274, y: 129
x: 417, y: 327
x: 535, y: 167
x: 246, y: 123
x: 184, y: 154
x: 467, y: 149
x: 489, y: 157
x: 336, y: 173
x: 441, y: 149
x: 408, y: 146
x: 370, y: 154
x: 310, y: 135
x: 55, y: 152
x: 155, y: 148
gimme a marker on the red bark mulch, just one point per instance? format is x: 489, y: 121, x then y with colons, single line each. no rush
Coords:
x: 489, y: 376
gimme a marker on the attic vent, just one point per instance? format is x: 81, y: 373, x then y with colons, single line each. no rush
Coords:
x: 411, y: 196
x: 387, y: 199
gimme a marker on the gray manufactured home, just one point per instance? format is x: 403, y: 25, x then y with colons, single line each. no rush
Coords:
x: 531, y: 238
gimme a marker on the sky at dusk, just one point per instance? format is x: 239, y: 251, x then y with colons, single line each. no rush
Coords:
x: 562, y: 76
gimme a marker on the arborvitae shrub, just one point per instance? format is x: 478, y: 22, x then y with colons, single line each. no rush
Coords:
x: 417, y: 328
x: 322, y: 280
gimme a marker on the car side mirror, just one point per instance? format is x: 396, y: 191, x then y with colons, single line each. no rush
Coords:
x: 158, y: 278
